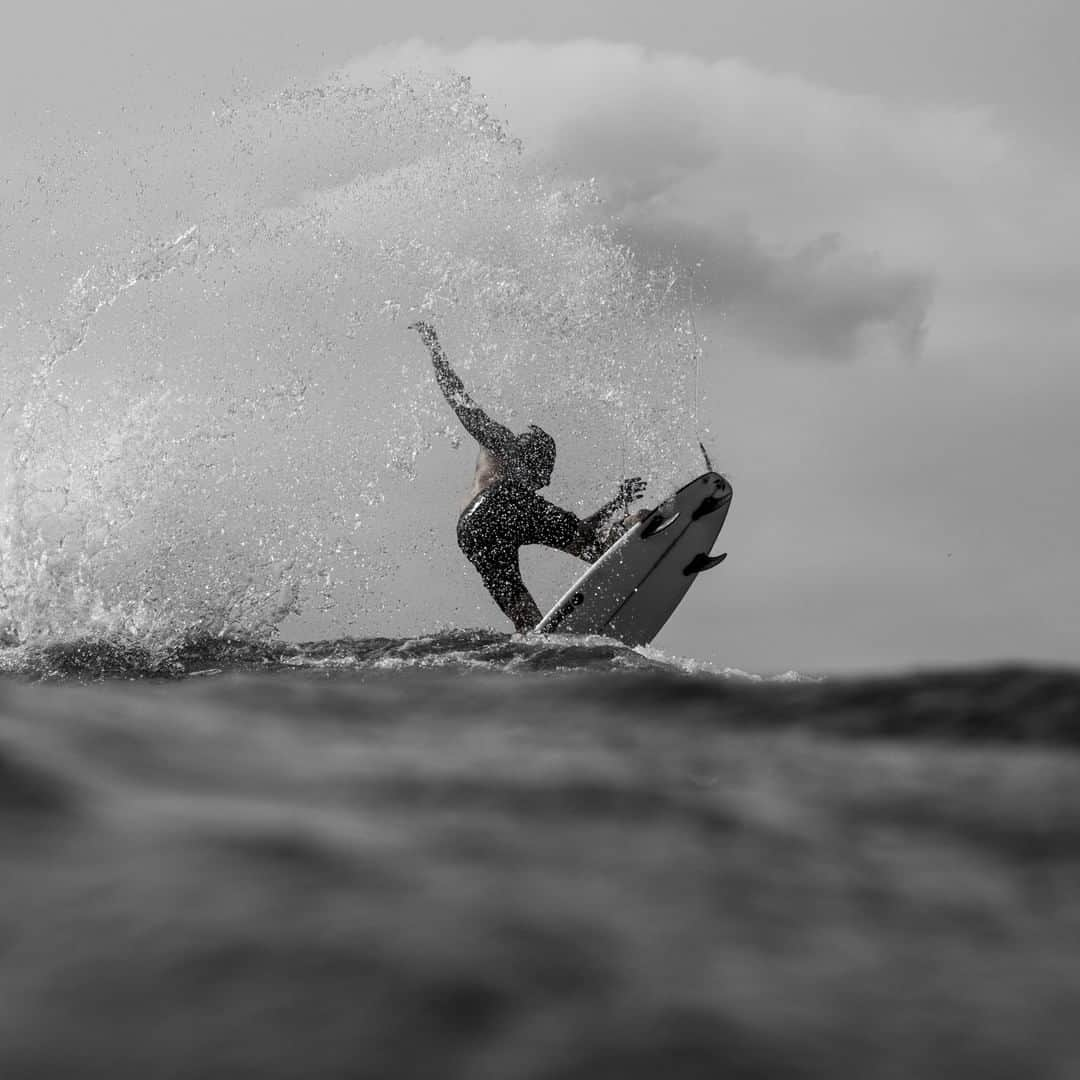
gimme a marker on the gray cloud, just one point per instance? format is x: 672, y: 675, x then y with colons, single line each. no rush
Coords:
x: 821, y: 301
x: 674, y: 145
x: 826, y: 223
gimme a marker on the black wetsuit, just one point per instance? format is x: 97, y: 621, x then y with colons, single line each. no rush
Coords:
x: 508, y: 514
x: 505, y: 517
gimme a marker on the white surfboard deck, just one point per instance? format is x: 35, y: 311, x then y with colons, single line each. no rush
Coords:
x: 633, y: 588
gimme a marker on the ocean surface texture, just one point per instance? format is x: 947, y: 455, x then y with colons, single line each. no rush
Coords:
x: 470, y: 855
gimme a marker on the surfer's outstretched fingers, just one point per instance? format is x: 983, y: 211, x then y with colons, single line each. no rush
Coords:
x: 426, y: 330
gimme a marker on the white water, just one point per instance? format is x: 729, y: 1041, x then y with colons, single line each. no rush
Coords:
x: 214, y: 416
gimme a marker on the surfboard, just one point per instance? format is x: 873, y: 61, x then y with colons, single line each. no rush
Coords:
x: 634, y: 587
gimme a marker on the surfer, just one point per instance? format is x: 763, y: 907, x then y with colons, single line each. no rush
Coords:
x: 504, y: 511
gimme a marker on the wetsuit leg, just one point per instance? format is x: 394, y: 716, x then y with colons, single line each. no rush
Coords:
x: 488, y: 533
x: 499, y: 521
x: 551, y: 525
x: 502, y: 578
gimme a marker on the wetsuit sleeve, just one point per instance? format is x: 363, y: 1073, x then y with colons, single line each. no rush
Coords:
x: 565, y: 531
x: 490, y: 435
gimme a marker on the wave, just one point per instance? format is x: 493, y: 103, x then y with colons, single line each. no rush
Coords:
x: 1004, y: 703
x: 451, y: 651
x: 634, y: 873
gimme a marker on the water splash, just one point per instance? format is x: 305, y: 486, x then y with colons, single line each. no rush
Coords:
x: 198, y: 428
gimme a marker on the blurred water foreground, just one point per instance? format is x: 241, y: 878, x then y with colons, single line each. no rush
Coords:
x: 476, y: 856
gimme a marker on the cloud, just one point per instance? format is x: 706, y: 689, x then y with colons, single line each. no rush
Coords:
x: 822, y: 221
x: 822, y: 300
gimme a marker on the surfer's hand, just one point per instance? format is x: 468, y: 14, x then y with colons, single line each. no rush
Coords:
x: 632, y: 519
x: 426, y: 331
x: 631, y: 490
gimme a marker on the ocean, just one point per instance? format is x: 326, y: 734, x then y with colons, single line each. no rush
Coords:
x: 471, y: 855
x: 263, y: 813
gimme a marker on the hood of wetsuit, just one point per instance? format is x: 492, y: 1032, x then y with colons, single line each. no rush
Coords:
x: 538, y: 454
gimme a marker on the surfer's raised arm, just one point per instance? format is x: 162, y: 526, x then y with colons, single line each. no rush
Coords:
x: 488, y: 433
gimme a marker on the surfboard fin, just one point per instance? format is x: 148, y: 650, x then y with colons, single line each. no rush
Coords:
x: 703, y: 562
x: 657, y: 524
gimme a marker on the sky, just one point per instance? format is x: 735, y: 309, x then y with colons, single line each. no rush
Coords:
x: 879, y: 203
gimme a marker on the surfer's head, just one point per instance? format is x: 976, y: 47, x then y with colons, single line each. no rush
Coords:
x: 537, y: 449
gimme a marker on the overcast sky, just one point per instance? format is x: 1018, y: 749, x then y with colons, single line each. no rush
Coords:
x: 881, y: 202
